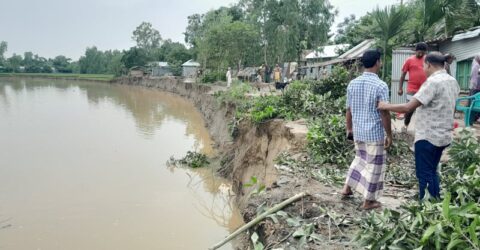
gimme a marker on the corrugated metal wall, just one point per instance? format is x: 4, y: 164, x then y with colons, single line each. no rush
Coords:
x: 398, y: 58
x: 189, y: 71
x: 463, y: 50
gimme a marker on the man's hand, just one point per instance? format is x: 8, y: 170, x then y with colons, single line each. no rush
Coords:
x: 382, y: 106
x: 388, y: 141
x: 400, y: 92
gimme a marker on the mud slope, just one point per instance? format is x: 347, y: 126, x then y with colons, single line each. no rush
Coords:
x: 252, y: 152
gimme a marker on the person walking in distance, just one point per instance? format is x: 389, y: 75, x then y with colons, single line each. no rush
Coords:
x: 416, y: 76
x: 229, y: 77
x: 371, y: 130
x: 435, y: 105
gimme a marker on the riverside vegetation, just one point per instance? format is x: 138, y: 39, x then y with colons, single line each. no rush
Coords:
x: 453, y: 223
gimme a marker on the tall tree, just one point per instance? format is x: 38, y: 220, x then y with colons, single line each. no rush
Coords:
x: 114, y: 64
x: 93, y: 62
x: 3, y: 49
x: 14, y: 63
x: 287, y: 27
x: 147, y: 37
x: 134, y: 57
x: 62, y: 64
x: 435, y: 18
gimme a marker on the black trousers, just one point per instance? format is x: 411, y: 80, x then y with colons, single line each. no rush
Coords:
x: 427, y: 157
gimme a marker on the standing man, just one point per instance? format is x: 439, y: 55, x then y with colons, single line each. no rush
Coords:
x: 416, y: 76
x: 475, y: 82
x: 368, y: 126
x: 268, y: 72
x: 277, y: 74
x: 229, y: 77
x: 449, y: 58
x: 435, y: 104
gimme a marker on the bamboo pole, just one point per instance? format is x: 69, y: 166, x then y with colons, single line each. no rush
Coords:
x: 259, y: 218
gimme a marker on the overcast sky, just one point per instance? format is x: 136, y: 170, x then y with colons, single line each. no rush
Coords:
x: 66, y: 27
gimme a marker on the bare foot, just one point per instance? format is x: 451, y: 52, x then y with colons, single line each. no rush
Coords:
x: 368, y: 205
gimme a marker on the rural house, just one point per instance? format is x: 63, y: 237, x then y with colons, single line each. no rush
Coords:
x: 190, y: 68
x: 159, y: 69
x: 349, y: 59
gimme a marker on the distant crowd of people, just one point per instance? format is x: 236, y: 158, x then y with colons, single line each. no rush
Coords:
x: 431, y: 92
x: 266, y: 74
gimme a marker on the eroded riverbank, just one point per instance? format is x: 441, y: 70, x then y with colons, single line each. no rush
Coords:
x: 253, y: 152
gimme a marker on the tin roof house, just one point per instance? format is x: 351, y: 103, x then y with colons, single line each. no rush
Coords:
x: 325, y: 53
x: 349, y: 58
x: 190, y: 68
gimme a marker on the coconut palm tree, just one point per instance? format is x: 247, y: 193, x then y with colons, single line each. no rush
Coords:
x: 388, y: 24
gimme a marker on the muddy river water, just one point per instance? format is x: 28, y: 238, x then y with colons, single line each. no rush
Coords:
x: 83, y: 166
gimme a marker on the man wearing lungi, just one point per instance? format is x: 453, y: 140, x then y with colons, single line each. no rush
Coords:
x: 435, y: 105
x: 371, y: 129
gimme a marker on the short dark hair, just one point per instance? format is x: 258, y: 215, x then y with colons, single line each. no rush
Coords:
x: 435, y: 58
x: 421, y: 46
x: 449, y: 56
x: 370, y: 57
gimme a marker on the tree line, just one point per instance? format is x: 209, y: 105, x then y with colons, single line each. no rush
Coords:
x: 253, y: 32
x: 149, y: 47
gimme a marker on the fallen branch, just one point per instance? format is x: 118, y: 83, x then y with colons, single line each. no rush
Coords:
x: 259, y: 218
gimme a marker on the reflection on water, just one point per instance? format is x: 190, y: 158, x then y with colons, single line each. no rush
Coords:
x: 82, y: 166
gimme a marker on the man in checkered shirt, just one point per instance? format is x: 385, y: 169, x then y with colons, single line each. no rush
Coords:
x: 371, y: 131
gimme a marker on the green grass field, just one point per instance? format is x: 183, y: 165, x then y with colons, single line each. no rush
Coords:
x: 94, y: 77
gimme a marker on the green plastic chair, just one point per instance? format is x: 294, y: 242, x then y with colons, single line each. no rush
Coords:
x: 469, y: 111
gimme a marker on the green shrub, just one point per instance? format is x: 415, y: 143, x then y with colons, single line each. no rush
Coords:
x: 214, y: 76
x: 327, y: 140
x: 336, y: 83
x: 461, y: 176
x: 295, y: 95
x: 265, y: 108
x: 451, y: 224
x: 423, y: 226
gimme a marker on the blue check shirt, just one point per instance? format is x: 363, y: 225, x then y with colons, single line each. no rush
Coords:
x: 363, y: 93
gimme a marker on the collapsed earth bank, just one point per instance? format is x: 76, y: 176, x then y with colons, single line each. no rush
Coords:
x: 249, y: 153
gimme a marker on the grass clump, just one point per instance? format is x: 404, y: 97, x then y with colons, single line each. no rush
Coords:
x: 191, y: 159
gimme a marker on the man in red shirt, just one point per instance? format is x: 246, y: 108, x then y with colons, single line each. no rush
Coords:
x: 416, y: 76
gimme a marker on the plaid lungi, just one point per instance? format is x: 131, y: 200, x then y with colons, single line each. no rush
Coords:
x: 367, y: 171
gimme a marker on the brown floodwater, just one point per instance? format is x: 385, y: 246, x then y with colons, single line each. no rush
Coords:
x: 83, y: 166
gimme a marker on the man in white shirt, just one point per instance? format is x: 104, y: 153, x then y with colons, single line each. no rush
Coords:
x: 435, y: 105
x: 229, y: 77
